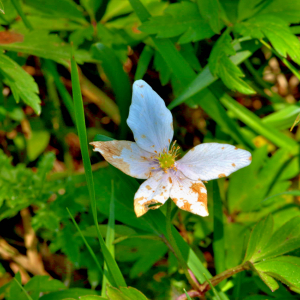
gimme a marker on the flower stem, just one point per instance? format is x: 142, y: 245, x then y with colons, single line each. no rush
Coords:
x: 176, y: 250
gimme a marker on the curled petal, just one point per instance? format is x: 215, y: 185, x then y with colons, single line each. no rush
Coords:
x: 155, y: 190
x: 189, y: 195
x: 149, y: 119
x: 127, y: 156
x: 212, y: 160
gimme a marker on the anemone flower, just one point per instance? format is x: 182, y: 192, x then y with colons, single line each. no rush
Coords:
x: 153, y: 157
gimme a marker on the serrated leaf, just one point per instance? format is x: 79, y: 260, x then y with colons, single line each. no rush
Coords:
x: 220, y: 65
x: 179, y: 18
x: 59, y: 8
x: 276, y: 31
x: 259, y: 238
x: 269, y: 281
x: 42, y: 44
x: 21, y: 83
x: 284, y: 240
x: 211, y: 12
x: 288, y: 10
x: 283, y: 268
x: 44, y: 284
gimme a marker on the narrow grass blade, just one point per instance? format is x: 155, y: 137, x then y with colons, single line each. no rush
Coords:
x: 218, y: 239
x: 213, y: 289
x: 187, y: 295
x: 110, y: 235
x: 86, y: 243
x: 80, y: 122
x: 144, y: 62
x: 18, y: 7
x: 254, y: 122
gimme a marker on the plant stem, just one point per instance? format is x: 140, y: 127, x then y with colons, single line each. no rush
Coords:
x: 224, y: 275
x: 176, y: 251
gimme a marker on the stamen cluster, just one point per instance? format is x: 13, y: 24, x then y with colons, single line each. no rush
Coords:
x: 167, y: 158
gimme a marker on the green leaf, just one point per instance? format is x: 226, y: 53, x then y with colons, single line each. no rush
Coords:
x: 81, y: 128
x: 143, y: 62
x: 259, y: 238
x: 211, y: 12
x: 179, y: 19
x: 37, y: 143
x: 43, y: 284
x: 69, y: 293
x: 288, y: 10
x: 221, y: 65
x: 60, y: 8
x: 284, y: 240
x: 21, y: 83
x: 205, y: 78
x: 283, y: 268
x: 92, y: 297
x: 125, y: 293
x: 42, y: 44
x: 276, y: 31
x: 218, y: 238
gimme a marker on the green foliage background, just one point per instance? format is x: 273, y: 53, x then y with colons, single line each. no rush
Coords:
x: 229, y: 72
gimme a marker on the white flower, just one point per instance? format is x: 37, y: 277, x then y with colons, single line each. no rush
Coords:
x: 152, y: 158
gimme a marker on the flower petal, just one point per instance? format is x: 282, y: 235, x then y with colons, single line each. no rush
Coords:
x: 128, y: 157
x: 154, y: 190
x: 149, y: 119
x: 189, y: 195
x: 212, y: 160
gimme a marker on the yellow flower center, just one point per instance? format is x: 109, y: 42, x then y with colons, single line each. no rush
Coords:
x: 166, y: 159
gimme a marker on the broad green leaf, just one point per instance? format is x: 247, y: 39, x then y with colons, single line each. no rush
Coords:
x: 259, y: 238
x: 247, y: 9
x: 48, y: 23
x: 269, y: 281
x: 179, y: 19
x: 218, y: 237
x: 69, y: 293
x: 118, y: 79
x: 37, y: 143
x: 283, y: 268
x: 221, y: 65
x: 21, y: 83
x: 211, y: 12
x: 60, y: 8
x: 92, y: 297
x: 43, y: 284
x: 284, y: 240
x: 276, y: 31
x: 288, y: 10
x: 42, y: 44
x: 125, y: 293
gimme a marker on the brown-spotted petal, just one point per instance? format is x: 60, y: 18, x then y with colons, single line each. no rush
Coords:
x: 189, y: 195
x: 127, y: 156
x: 212, y: 160
x: 152, y: 193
